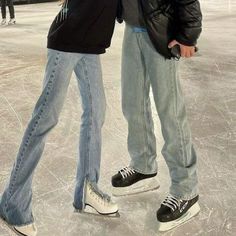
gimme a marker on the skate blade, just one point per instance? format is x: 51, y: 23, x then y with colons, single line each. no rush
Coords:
x: 193, y: 211
x: 90, y: 211
x: 137, y: 188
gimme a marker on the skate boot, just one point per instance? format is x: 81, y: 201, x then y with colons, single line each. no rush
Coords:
x: 174, y: 212
x: 26, y: 230
x: 128, y: 181
x: 99, y: 201
x: 3, y: 22
x: 12, y: 21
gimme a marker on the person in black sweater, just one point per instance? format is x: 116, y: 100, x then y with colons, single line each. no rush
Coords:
x: 80, y: 32
x: 10, y: 5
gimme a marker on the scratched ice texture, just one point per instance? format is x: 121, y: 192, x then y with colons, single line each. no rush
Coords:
x: 209, y: 85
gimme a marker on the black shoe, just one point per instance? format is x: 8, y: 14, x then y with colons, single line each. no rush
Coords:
x: 128, y: 181
x: 174, y: 212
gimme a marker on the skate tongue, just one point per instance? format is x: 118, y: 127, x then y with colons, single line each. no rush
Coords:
x: 100, y: 193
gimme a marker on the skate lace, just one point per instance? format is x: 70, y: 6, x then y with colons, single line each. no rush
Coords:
x: 100, y: 196
x: 172, y: 202
x: 127, y: 171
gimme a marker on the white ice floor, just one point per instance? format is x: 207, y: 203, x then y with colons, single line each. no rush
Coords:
x: 209, y: 84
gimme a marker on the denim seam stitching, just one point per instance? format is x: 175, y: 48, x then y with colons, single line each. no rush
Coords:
x: 173, y: 82
x: 147, y: 96
x: 25, y: 145
x: 90, y: 118
x: 148, y: 121
x: 145, y: 135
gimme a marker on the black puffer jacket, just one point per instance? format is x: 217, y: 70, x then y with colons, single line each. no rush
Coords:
x: 172, y: 19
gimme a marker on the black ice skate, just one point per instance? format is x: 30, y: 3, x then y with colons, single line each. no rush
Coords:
x: 128, y: 181
x: 174, y: 212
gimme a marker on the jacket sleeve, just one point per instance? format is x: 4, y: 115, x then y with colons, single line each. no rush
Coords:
x: 189, y: 17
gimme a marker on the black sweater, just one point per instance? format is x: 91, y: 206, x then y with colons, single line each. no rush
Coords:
x: 83, y: 26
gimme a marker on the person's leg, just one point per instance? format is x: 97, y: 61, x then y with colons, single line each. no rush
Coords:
x: 89, y: 76
x: 139, y: 176
x: 136, y: 105
x: 3, y: 9
x: 178, y: 149
x: 11, y: 9
x: 181, y: 204
x: 15, y: 203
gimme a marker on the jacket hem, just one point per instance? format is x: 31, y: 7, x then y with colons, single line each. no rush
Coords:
x: 76, y: 49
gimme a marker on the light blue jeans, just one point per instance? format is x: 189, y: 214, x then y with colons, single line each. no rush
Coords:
x: 15, y: 203
x: 142, y: 68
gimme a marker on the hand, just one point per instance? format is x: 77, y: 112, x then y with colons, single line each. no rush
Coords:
x: 185, y: 51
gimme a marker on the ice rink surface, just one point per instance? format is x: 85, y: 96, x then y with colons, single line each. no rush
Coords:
x: 209, y: 85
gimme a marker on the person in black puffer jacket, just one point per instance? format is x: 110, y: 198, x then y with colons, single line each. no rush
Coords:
x: 156, y: 33
x: 167, y: 20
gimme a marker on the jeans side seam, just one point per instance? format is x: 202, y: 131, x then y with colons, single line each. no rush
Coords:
x: 145, y: 135
x: 148, y: 106
x: 90, y: 118
x: 25, y: 145
x: 148, y: 122
x: 174, y: 91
